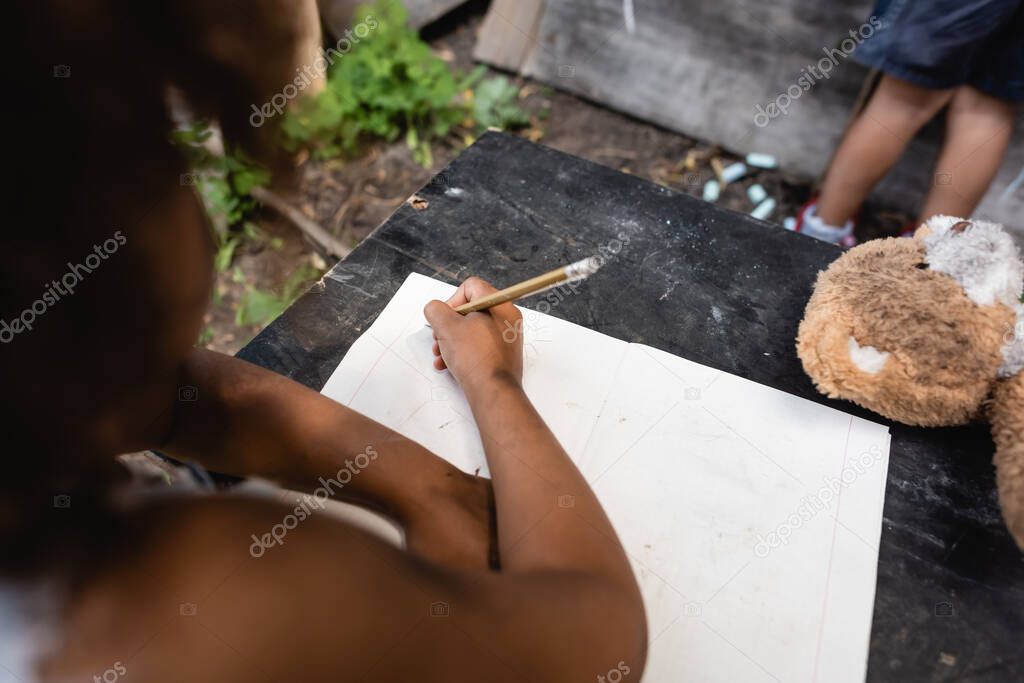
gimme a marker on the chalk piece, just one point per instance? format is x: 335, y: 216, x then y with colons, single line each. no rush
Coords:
x: 759, y: 160
x: 712, y: 190
x: 757, y: 194
x: 731, y: 174
x: 789, y: 223
x: 764, y: 209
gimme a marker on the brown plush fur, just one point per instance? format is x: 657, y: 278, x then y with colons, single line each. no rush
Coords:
x: 877, y: 294
x: 944, y: 351
x: 1007, y: 414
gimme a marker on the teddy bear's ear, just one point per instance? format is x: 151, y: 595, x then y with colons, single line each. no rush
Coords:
x: 1007, y: 414
x: 957, y: 225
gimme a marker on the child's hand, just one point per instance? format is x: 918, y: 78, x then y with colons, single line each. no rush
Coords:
x: 480, y: 346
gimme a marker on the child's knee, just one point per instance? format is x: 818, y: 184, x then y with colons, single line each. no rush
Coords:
x: 903, y: 103
x: 970, y: 100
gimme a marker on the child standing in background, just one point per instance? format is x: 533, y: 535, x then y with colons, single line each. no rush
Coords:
x: 963, y: 55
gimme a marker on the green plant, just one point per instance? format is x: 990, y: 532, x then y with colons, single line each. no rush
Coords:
x: 496, y: 105
x: 259, y: 307
x: 206, y: 336
x: 225, y: 184
x: 391, y: 84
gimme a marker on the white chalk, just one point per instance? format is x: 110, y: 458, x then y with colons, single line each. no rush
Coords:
x: 731, y: 174
x: 757, y: 194
x: 759, y: 160
x: 764, y: 209
x: 789, y: 223
x: 712, y: 191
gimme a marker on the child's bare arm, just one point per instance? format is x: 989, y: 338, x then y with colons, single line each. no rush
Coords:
x: 248, y: 421
x: 332, y: 603
x: 549, y: 520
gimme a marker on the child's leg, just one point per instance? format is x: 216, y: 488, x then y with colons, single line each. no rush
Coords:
x: 978, y: 131
x: 896, y: 112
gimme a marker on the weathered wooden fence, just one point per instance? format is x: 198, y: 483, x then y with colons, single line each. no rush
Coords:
x: 723, y: 70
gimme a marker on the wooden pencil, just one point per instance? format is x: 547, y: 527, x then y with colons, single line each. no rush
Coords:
x: 570, y: 273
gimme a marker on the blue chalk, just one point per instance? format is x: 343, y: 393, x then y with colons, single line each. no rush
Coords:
x: 712, y: 191
x: 759, y: 160
x: 764, y: 209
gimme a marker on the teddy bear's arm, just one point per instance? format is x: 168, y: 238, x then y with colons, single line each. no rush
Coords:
x: 1008, y: 432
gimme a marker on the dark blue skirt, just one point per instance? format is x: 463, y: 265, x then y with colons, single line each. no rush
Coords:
x: 941, y: 44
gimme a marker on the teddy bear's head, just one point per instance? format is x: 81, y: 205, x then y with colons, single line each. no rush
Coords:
x: 919, y: 329
x: 929, y: 331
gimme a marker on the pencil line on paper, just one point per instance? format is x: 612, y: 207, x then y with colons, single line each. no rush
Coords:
x: 369, y: 372
x: 854, y: 533
x: 831, y: 554
x: 750, y: 443
x: 604, y: 404
x: 646, y: 432
x: 748, y: 657
x: 664, y: 631
x: 722, y: 587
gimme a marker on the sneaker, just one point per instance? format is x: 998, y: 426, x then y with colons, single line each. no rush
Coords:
x: 808, y: 222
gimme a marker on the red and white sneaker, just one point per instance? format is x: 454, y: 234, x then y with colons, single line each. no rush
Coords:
x: 808, y: 222
x: 908, y: 230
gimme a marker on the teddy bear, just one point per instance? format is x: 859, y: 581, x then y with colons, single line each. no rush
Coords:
x: 929, y: 331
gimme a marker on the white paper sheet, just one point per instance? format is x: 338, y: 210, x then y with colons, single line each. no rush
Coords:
x: 752, y: 517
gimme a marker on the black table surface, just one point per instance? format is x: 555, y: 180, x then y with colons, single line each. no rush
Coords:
x: 718, y: 288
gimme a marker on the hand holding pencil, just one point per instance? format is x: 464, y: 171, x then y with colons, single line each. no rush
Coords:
x: 476, y: 348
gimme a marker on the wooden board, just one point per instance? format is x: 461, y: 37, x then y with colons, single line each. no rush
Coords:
x: 511, y: 29
x: 703, y: 68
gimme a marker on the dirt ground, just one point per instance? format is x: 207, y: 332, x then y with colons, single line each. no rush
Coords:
x: 351, y: 197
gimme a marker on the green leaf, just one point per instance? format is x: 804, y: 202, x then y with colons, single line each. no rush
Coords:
x: 225, y: 254
x: 473, y: 77
x: 258, y: 308
x: 224, y: 183
x: 495, y: 105
x: 206, y: 336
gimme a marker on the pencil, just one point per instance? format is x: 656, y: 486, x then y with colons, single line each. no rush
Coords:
x: 570, y: 273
